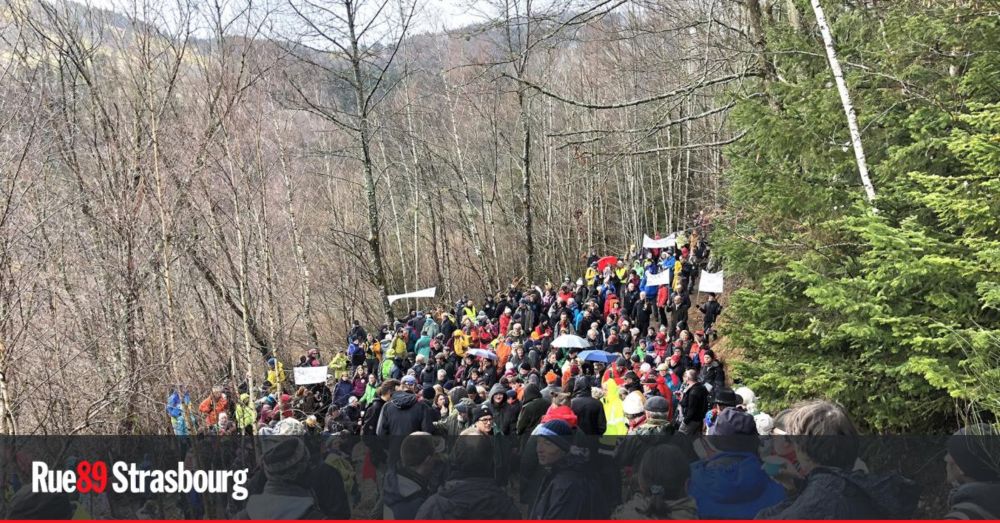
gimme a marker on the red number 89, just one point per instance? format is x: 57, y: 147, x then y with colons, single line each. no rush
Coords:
x: 91, y: 477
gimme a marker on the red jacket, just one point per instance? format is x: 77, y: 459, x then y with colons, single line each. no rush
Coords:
x: 504, y: 323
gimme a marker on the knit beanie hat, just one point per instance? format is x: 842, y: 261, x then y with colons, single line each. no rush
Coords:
x: 974, y: 449
x: 286, y: 459
x: 558, y: 432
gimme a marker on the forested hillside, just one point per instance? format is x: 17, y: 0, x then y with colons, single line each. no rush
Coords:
x: 186, y: 189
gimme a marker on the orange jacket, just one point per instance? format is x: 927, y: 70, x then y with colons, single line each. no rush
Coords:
x: 211, y: 410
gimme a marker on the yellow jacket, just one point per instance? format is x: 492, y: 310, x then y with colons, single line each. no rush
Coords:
x: 461, y: 342
x: 277, y: 374
x: 471, y: 313
x: 590, y: 276
x: 338, y: 365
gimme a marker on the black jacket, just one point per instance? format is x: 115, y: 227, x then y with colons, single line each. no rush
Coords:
x: 711, y: 310
x: 569, y: 491
x: 713, y: 375
x: 404, y: 493
x: 532, y: 410
x: 694, y: 403
x: 401, y: 416
x: 470, y: 499
x: 589, y: 411
x: 837, y: 494
x: 975, y: 501
x: 641, y: 312
x: 504, y: 414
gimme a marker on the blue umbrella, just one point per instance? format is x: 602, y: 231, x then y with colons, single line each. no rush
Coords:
x: 599, y: 356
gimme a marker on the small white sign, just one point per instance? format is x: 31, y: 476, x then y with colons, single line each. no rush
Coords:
x: 310, y: 375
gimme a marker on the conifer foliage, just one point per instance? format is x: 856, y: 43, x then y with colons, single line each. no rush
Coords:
x: 895, y: 314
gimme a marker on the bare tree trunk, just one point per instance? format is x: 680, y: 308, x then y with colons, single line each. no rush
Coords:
x: 845, y: 100
x: 364, y: 139
x: 529, y: 238
x: 300, y: 256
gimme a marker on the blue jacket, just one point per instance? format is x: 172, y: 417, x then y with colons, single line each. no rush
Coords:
x: 174, y: 405
x: 732, y: 485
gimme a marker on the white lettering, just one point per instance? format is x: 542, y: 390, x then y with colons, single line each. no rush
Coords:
x: 120, y: 484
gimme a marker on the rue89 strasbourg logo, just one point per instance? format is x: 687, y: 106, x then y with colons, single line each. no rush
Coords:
x: 96, y: 476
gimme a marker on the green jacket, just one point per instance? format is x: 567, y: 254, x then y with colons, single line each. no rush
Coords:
x: 246, y: 415
x: 338, y: 365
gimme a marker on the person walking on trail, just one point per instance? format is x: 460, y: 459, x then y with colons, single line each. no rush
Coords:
x: 694, y: 405
x: 215, y: 404
x: 711, y: 310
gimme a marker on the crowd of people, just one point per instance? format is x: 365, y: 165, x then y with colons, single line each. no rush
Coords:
x: 472, y: 412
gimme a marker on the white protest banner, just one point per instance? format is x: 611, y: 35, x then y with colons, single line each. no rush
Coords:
x: 425, y: 293
x: 662, y: 243
x: 710, y: 282
x: 310, y: 375
x: 660, y: 278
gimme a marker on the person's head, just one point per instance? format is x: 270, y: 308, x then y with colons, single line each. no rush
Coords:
x: 344, y: 376
x: 285, y: 459
x: 827, y: 436
x: 562, y: 399
x: 662, y: 476
x: 408, y: 383
x: 973, y: 455
x: 711, y: 296
x: 642, y: 295
x: 387, y: 388
x: 555, y: 440
x: 677, y: 299
x: 482, y: 419
x: 441, y: 400
x: 690, y: 376
x: 657, y: 407
x: 418, y: 452
x: 472, y: 455
x: 708, y: 357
